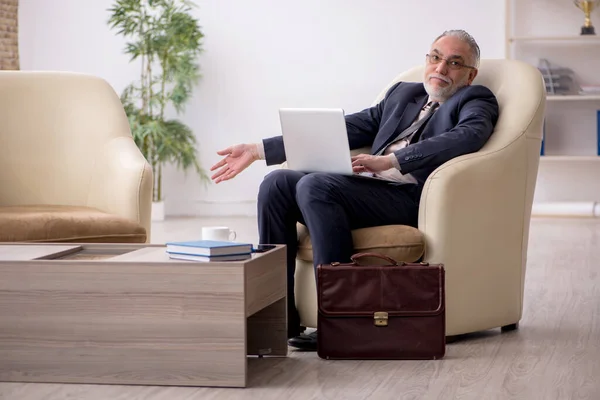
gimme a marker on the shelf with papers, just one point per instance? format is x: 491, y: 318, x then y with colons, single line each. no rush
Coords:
x: 548, y: 37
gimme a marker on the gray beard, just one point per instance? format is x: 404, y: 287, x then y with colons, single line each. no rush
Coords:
x: 443, y: 94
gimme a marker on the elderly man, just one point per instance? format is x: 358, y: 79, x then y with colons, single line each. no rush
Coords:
x: 416, y: 128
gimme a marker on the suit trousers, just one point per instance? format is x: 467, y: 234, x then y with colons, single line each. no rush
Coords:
x: 330, y: 206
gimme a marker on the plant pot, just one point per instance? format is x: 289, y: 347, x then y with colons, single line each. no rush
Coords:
x: 158, y: 211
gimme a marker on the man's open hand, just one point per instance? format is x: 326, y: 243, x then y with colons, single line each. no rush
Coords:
x: 369, y: 163
x: 237, y: 158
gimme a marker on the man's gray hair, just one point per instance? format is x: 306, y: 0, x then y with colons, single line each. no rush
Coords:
x: 465, y: 37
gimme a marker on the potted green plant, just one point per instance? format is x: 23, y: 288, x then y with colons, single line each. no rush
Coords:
x: 166, y: 39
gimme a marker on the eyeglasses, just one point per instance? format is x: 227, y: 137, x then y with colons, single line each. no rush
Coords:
x: 452, y: 64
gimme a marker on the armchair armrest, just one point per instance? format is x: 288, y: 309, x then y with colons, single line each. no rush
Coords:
x: 122, y: 181
x: 474, y: 213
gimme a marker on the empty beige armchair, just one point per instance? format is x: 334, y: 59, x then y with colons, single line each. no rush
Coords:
x: 474, y: 212
x: 69, y: 168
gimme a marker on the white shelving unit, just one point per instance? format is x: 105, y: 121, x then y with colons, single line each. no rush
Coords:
x: 569, y: 173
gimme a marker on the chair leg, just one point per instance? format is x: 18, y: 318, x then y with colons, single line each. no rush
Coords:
x: 508, y: 328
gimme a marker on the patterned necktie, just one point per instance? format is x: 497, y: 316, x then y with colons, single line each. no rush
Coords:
x: 430, y: 111
x: 414, y: 129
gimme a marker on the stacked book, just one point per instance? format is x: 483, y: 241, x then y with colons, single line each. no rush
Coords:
x: 209, y: 250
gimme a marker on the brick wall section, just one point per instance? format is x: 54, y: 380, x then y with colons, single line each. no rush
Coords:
x: 9, y: 34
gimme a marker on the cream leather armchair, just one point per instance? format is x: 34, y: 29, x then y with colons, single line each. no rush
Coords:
x: 69, y: 168
x: 474, y: 212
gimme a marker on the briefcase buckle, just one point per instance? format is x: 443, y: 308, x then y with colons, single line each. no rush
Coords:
x: 381, y: 318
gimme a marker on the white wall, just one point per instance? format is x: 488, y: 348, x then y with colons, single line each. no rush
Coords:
x: 261, y: 55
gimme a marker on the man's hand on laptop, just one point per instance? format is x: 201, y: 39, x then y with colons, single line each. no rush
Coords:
x: 370, y: 163
x: 237, y: 158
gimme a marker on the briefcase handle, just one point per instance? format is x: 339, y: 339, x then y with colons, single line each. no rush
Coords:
x: 356, y: 256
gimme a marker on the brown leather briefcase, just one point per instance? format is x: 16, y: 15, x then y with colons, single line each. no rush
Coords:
x: 394, y: 311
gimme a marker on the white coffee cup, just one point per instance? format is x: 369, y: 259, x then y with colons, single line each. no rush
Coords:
x: 220, y: 233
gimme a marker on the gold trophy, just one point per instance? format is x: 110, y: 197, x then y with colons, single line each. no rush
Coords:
x: 587, y: 6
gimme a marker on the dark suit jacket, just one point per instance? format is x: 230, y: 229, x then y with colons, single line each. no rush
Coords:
x: 460, y: 125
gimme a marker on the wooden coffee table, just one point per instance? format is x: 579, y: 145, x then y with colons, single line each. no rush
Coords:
x: 127, y: 314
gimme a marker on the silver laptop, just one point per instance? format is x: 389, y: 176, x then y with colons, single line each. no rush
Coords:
x: 316, y: 140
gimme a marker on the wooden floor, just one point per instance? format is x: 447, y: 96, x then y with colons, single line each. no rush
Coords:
x: 554, y: 355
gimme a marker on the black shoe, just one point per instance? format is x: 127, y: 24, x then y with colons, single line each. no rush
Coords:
x: 306, y: 342
x: 295, y: 331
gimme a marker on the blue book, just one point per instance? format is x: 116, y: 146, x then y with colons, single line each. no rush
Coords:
x: 543, y: 137
x: 209, y: 248
x: 192, y: 257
